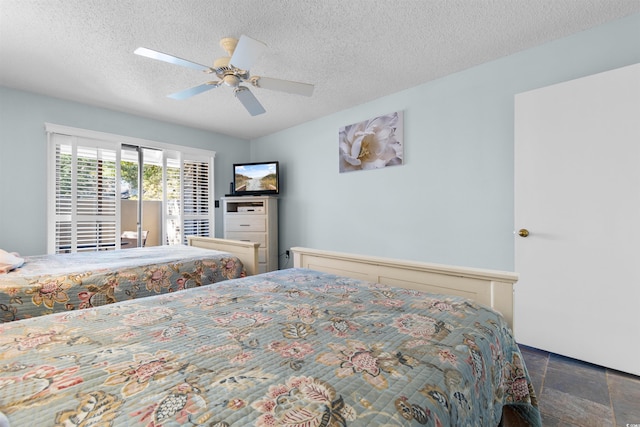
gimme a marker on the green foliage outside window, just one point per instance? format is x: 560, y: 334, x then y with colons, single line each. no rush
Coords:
x: 151, y: 180
x: 89, y: 173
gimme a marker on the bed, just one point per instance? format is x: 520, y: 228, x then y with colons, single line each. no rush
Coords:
x: 489, y: 287
x: 52, y: 283
x: 295, y: 347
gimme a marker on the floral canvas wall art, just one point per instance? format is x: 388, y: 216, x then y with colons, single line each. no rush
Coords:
x: 372, y: 144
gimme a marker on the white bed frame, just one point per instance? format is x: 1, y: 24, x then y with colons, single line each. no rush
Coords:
x: 247, y: 252
x: 489, y: 287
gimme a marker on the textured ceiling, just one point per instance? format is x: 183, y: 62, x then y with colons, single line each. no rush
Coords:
x: 353, y: 51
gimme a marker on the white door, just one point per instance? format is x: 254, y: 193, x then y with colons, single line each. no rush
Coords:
x: 577, y: 192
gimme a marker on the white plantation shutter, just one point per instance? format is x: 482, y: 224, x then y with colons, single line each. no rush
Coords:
x: 63, y: 193
x: 197, y: 196
x: 173, y: 201
x: 189, y: 196
x: 84, y: 190
x: 86, y: 216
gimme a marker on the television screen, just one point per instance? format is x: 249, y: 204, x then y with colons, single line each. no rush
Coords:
x: 256, y: 179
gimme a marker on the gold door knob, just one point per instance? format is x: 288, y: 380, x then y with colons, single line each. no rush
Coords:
x: 523, y: 232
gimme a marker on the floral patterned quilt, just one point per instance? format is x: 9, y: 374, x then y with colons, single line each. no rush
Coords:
x: 289, y: 348
x: 54, y: 283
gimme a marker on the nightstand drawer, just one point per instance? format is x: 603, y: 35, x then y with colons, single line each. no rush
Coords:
x: 245, y: 223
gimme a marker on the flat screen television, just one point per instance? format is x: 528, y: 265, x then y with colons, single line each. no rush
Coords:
x: 256, y: 179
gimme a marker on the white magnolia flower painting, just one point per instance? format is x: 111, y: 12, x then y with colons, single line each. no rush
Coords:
x: 372, y: 144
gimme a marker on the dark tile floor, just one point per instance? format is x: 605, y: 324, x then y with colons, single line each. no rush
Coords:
x: 572, y: 393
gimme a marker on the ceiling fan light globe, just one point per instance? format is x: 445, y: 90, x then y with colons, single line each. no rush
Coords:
x: 231, y: 80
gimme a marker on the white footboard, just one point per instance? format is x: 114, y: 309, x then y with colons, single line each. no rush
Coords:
x: 247, y: 252
x: 489, y: 287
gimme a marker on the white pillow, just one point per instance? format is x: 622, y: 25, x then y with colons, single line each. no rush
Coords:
x: 9, y: 261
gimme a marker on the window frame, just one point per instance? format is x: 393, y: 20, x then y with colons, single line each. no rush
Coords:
x: 179, y: 154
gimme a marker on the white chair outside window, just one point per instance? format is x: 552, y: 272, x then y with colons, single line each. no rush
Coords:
x: 129, y: 239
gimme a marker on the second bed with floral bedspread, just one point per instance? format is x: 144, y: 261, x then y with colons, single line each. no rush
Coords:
x: 53, y: 283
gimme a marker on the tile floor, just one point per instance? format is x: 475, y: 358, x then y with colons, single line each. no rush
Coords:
x: 572, y: 393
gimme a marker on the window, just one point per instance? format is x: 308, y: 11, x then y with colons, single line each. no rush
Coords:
x: 94, y: 178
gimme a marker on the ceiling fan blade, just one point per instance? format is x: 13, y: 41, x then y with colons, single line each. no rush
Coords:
x: 187, y: 93
x: 247, y: 52
x: 153, y: 54
x: 296, y: 88
x: 249, y: 101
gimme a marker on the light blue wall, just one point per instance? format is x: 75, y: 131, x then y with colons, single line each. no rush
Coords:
x: 452, y: 201
x: 23, y: 193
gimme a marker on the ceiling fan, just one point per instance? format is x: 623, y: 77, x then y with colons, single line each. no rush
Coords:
x: 233, y: 70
